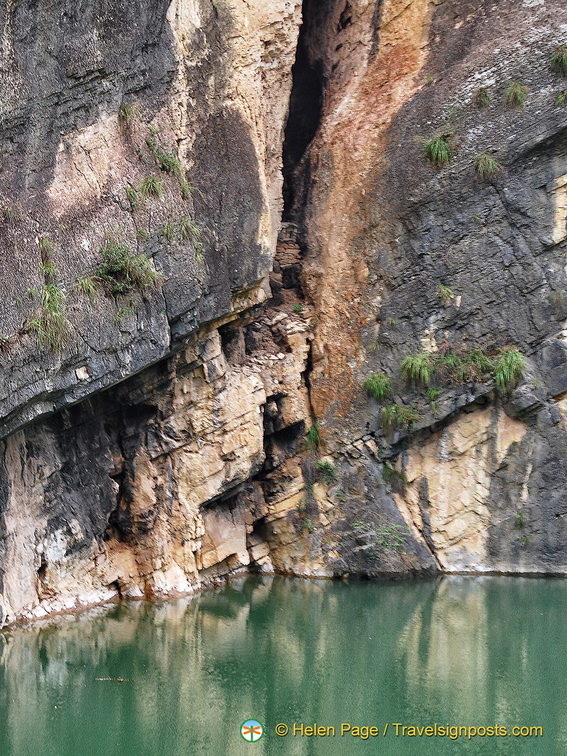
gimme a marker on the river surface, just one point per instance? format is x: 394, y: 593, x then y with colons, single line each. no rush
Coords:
x: 480, y: 652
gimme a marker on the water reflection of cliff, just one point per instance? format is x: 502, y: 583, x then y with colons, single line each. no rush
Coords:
x: 478, y: 650
x: 276, y: 649
x: 472, y: 650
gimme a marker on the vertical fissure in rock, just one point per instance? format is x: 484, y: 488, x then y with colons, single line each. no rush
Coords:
x: 305, y: 104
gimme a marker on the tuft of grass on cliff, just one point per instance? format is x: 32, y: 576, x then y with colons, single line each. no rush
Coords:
x: 51, y: 326
x: 482, y: 97
x: 559, y: 59
x: 121, y: 272
x: 508, y: 368
x: 396, y: 416
x: 486, y: 166
x: 418, y: 368
x: 438, y: 149
x: 151, y: 186
x: 516, y: 94
x: 378, y: 386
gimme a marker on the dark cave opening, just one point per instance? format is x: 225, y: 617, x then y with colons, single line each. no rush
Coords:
x: 42, y: 570
x: 305, y: 104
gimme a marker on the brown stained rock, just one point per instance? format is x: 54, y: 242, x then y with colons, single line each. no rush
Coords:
x: 347, y: 150
x: 180, y: 505
x: 192, y: 464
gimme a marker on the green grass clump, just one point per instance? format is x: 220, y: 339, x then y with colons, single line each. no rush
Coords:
x: 378, y: 386
x: 561, y: 98
x: 390, y: 536
x: 472, y: 366
x: 122, y: 312
x: 476, y: 366
x: 394, y: 478
x: 166, y: 160
x: 445, y: 294
x: 559, y: 60
x: 438, y: 149
x: 49, y: 272
x: 169, y: 163
x: 51, y: 327
x: 508, y: 368
x: 312, y: 437
x: 45, y: 246
x: 52, y: 298
x: 309, y: 525
x: 186, y: 189
x: 482, y: 97
x: 449, y: 362
x: 189, y: 230
x: 133, y: 198
x: 126, y: 114
x: 151, y: 186
x: 298, y: 308
x: 396, y: 416
x: 486, y: 166
x: 169, y: 231
x: 87, y: 285
x: 122, y: 271
x: 418, y: 368
x: 432, y: 395
x: 516, y: 94
x: 448, y: 369
x: 379, y: 538
x: 520, y: 521
x: 326, y: 470
x: 454, y: 369
x: 11, y: 215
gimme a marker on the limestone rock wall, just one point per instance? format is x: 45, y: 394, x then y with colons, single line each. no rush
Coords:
x: 266, y: 162
x: 161, y: 484
x: 382, y: 229
x: 93, y: 98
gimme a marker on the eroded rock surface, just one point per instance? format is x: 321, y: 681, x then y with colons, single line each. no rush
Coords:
x: 404, y: 257
x: 265, y: 161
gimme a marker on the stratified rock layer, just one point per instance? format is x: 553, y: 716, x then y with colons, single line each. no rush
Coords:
x: 216, y: 421
x: 478, y: 472
x: 92, y: 102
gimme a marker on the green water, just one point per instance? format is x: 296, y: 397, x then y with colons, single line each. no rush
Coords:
x: 475, y: 651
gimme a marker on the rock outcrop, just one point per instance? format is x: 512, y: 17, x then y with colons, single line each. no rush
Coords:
x: 218, y: 220
x: 406, y: 257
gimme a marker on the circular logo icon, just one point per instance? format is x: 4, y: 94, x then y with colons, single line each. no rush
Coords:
x: 251, y: 730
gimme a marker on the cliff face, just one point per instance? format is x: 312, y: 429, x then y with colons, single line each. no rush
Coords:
x: 97, y: 100
x: 218, y: 220
x: 405, y: 257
